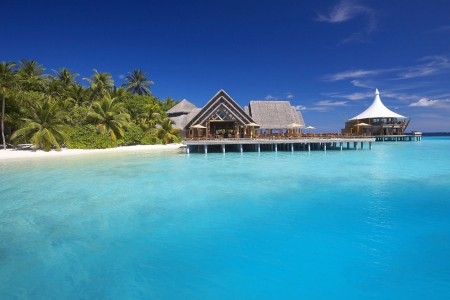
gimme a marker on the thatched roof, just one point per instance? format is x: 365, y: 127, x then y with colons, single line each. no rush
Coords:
x: 184, y: 107
x: 182, y: 120
x: 274, y: 114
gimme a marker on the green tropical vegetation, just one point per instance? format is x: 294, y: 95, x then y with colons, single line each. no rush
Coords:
x: 55, y: 111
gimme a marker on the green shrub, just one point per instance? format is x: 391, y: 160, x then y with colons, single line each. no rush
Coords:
x: 133, y: 135
x: 88, y: 137
x: 151, y: 138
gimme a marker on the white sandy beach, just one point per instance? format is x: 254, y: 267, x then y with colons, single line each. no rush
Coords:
x: 29, y: 154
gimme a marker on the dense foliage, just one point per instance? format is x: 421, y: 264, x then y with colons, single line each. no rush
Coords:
x: 54, y: 111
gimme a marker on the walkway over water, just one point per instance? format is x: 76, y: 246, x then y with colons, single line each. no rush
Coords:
x: 286, y: 144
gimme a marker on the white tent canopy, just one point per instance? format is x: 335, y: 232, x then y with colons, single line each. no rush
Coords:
x: 377, y: 110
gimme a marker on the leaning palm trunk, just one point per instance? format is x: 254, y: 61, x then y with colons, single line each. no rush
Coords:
x: 3, y: 122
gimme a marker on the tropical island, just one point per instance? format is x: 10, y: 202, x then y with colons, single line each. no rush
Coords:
x: 54, y: 110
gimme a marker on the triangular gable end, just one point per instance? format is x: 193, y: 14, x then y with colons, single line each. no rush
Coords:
x: 220, y: 102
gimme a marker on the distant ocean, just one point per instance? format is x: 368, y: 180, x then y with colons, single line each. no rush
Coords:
x: 352, y: 224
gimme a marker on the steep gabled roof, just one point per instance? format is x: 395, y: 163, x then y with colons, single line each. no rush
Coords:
x: 377, y: 110
x: 220, y: 100
x: 183, y: 107
x: 274, y: 114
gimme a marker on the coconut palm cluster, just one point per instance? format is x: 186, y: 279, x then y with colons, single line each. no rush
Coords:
x: 50, y: 111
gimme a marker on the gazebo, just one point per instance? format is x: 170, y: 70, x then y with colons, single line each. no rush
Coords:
x: 376, y: 120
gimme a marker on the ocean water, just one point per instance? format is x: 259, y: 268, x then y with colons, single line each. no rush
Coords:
x: 356, y: 224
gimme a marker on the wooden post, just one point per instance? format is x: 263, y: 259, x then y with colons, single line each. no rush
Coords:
x: 241, y: 148
x: 340, y: 144
x: 223, y: 148
x: 206, y: 149
x: 309, y: 147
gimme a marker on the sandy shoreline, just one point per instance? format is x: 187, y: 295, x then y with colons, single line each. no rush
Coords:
x: 27, y: 154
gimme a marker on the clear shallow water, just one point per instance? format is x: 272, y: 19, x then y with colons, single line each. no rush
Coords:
x: 341, y: 225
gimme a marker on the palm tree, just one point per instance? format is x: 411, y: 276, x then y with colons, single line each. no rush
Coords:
x: 65, y: 76
x: 77, y: 93
x: 29, y: 69
x: 167, y: 133
x: 110, y: 116
x: 100, y: 82
x: 45, y: 128
x: 137, y: 83
x: 8, y: 80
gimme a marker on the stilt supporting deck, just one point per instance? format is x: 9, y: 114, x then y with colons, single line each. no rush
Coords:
x: 324, y: 146
x: 187, y: 149
x: 348, y: 145
x: 340, y: 144
x: 362, y: 145
x: 259, y: 147
x: 276, y: 147
x: 355, y: 145
x: 223, y: 148
x: 292, y: 147
x: 309, y: 147
x: 206, y: 149
x: 370, y: 145
x: 241, y: 148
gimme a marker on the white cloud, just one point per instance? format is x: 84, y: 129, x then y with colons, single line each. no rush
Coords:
x: 360, y: 83
x: 343, y: 11
x: 331, y: 103
x: 289, y: 95
x: 347, y: 10
x: 440, y: 29
x: 300, y: 107
x: 354, y: 96
x: 435, y: 64
x: 351, y: 74
x: 121, y: 76
x: 270, y: 97
x: 428, y: 102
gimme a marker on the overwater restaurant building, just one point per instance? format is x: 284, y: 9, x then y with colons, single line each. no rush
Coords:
x: 377, y: 120
x: 223, y: 117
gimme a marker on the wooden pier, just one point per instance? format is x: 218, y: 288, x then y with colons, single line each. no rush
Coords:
x: 294, y: 144
x: 397, y: 138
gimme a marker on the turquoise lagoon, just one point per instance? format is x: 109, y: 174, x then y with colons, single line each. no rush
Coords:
x: 341, y: 225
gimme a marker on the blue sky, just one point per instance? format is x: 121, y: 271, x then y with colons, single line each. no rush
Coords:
x: 326, y: 57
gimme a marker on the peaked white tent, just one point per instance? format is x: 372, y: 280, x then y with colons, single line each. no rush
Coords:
x: 377, y: 110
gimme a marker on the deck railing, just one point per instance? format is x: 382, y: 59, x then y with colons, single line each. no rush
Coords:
x: 264, y: 137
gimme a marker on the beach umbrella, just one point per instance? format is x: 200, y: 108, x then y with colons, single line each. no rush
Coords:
x: 198, y: 126
x: 363, y: 125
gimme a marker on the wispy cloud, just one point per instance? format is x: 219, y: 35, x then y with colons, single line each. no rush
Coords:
x: 363, y: 84
x: 354, y: 96
x: 270, y: 97
x: 346, y: 10
x: 435, y: 103
x: 351, y: 74
x: 434, y: 64
x: 440, y: 29
x: 332, y: 103
x: 300, y: 107
x: 289, y: 95
x: 427, y: 66
x: 121, y: 76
